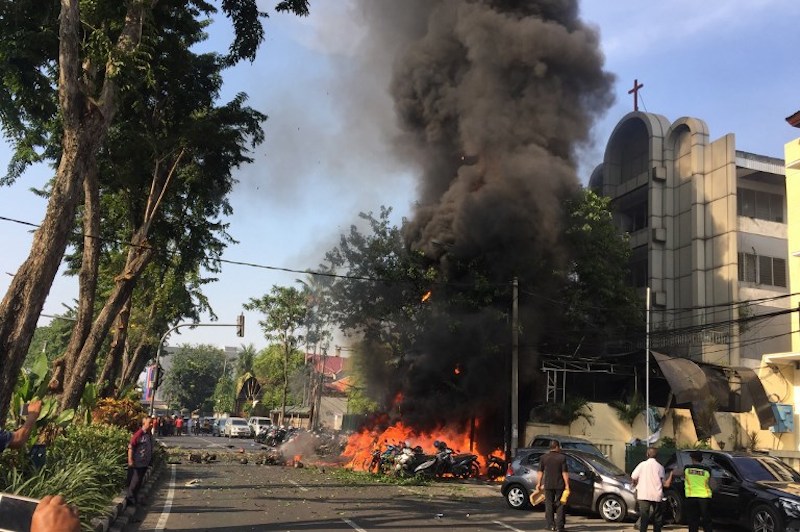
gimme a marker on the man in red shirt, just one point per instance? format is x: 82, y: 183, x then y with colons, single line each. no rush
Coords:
x: 140, y: 454
x: 554, y: 478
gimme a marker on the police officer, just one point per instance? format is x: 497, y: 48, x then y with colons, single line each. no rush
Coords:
x: 698, y: 493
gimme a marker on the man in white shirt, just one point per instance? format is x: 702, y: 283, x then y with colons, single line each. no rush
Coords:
x: 648, y: 477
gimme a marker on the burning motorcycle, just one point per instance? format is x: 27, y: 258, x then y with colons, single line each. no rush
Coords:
x: 495, y: 467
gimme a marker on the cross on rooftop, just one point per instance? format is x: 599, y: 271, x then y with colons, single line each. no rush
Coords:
x: 635, y: 92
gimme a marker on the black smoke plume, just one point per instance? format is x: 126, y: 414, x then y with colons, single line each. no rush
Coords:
x: 493, y: 98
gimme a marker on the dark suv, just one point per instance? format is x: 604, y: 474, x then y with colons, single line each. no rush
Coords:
x: 757, y: 491
x: 566, y: 442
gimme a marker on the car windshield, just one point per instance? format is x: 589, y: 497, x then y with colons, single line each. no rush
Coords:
x: 241, y: 422
x: 765, y: 468
x: 604, y: 467
x: 585, y: 447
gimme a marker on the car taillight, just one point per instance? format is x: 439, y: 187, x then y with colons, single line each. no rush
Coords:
x: 509, y: 470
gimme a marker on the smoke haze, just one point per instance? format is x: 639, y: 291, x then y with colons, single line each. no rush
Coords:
x: 492, y: 98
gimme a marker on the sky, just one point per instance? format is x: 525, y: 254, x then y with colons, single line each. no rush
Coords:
x: 327, y: 156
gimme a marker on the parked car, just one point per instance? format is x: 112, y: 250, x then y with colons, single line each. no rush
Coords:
x: 257, y: 423
x: 237, y: 427
x: 596, y: 484
x: 566, y: 442
x: 756, y: 491
x: 218, y: 427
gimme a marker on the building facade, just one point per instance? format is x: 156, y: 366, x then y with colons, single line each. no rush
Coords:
x: 708, y: 230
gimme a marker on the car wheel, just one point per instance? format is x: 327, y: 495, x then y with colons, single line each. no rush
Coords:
x: 517, y: 497
x: 612, y: 508
x: 765, y: 519
x: 674, y: 509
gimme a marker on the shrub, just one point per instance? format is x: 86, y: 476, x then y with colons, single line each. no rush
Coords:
x: 86, y: 465
x: 125, y: 413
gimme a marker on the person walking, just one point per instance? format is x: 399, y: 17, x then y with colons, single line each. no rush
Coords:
x: 554, y: 480
x: 140, y: 453
x: 16, y: 439
x: 648, y: 478
x: 696, y: 478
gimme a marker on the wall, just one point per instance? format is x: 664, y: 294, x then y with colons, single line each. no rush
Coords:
x: 611, y: 435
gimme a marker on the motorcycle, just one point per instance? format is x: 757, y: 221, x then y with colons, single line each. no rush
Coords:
x: 271, y: 436
x: 495, y: 467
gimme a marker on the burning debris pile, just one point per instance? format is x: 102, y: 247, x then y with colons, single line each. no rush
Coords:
x: 493, y: 98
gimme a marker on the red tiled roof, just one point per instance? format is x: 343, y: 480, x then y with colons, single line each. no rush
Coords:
x: 794, y: 120
x: 333, y: 364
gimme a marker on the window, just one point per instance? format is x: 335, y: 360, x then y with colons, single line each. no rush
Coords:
x: 761, y: 205
x: 761, y: 269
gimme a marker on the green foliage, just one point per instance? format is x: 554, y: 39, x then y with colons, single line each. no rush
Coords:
x: 600, y: 306
x: 224, y: 395
x: 32, y: 384
x: 193, y: 377
x: 87, y: 466
x: 571, y: 410
x: 50, y: 339
x: 363, y: 478
x: 269, y: 367
x: 629, y: 411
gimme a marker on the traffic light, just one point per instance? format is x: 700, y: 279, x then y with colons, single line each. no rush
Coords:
x: 159, y: 376
x: 240, y: 325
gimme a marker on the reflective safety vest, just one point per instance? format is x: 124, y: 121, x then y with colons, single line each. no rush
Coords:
x: 695, y: 478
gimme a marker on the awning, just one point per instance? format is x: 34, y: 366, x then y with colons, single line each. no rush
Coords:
x: 686, y: 379
x: 753, y: 393
x: 707, y: 388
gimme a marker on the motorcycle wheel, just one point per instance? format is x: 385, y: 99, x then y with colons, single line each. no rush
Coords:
x: 474, y: 470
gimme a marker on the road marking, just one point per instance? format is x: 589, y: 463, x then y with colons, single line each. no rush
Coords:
x: 298, y: 485
x: 353, y: 525
x: 162, y: 521
x: 507, y: 526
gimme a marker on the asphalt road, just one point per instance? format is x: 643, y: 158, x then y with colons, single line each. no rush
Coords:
x: 233, y: 497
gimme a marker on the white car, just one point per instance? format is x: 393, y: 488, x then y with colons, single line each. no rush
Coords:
x: 259, y: 423
x: 237, y: 427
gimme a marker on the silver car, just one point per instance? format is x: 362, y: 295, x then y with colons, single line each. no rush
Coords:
x: 237, y: 427
x: 595, y: 484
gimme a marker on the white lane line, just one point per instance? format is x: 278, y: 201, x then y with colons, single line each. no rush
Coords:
x: 298, y: 485
x: 507, y: 526
x: 353, y: 525
x: 162, y: 520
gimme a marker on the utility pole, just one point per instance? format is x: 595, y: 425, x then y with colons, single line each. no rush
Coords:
x: 647, y: 368
x: 514, y: 367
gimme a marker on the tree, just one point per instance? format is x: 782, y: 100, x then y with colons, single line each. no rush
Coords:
x: 270, y: 367
x: 245, y: 362
x: 285, y: 312
x: 224, y: 395
x: 60, y: 96
x: 192, y: 379
x: 599, y: 304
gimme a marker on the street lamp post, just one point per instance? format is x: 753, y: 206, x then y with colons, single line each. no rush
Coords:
x: 239, y: 326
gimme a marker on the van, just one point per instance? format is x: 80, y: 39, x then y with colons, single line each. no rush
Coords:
x: 257, y: 424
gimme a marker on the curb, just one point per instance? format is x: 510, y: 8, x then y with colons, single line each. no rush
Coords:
x: 119, y: 513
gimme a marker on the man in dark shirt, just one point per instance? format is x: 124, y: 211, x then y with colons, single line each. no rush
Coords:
x: 140, y: 453
x: 554, y: 479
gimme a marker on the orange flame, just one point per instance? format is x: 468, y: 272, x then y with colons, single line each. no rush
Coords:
x: 426, y: 296
x: 457, y: 371
x: 360, y: 445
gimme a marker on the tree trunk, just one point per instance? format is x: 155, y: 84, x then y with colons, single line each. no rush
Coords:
x: 111, y: 369
x: 286, y: 351
x: 85, y: 122
x: 87, y: 277
x: 143, y: 352
x: 138, y: 258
